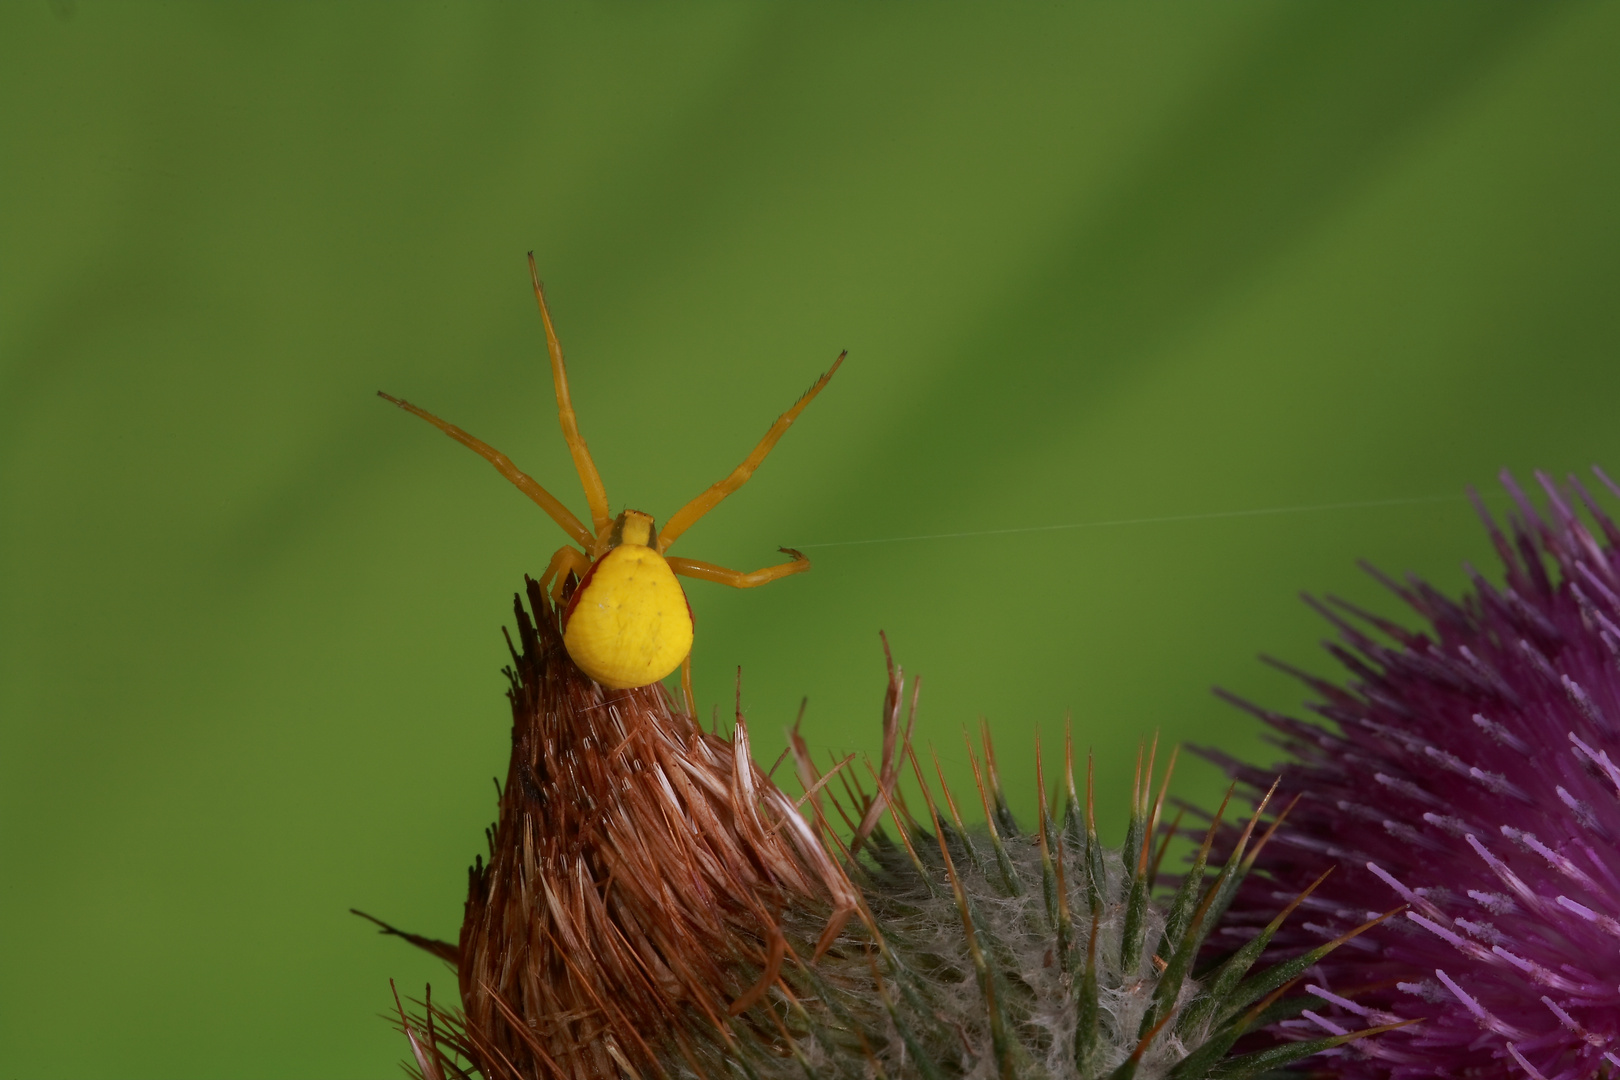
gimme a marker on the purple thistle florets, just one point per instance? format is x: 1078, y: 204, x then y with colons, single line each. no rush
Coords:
x: 1474, y: 777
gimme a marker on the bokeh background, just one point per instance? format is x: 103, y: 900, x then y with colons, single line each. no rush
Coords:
x: 1157, y: 314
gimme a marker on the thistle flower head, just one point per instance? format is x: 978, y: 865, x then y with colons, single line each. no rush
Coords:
x: 637, y: 881
x: 1474, y: 775
x: 654, y: 906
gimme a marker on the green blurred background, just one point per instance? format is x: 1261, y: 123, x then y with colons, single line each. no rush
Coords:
x: 1111, y: 277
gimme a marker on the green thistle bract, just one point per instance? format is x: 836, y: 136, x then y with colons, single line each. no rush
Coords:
x: 654, y: 906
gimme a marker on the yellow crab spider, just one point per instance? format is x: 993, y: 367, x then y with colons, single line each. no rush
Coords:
x: 627, y: 622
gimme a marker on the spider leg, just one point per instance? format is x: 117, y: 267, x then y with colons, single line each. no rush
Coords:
x: 688, y: 515
x: 589, y: 478
x: 503, y: 464
x: 567, y: 560
x: 737, y: 579
x: 686, y: 686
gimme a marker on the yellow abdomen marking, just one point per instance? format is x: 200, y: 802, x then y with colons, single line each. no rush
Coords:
x: 629, y: 626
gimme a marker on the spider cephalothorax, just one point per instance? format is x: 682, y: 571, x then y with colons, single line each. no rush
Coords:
x: 627, y: 622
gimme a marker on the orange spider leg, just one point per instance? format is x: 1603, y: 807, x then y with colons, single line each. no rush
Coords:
x: 703, y: 571
x: 688, y: 515
x: 589, y: 478
x: 686, y: 686
x: 503, y: 464
x: 567, y: 560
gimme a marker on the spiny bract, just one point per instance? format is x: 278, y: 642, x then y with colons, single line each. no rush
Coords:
x: 654, y: 906
x: 1473, y: 774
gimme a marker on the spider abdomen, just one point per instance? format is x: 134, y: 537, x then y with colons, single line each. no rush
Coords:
x: 628, y: 623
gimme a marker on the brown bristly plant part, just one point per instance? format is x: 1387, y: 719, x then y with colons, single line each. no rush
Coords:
x: 655, y: 906
x: 635, y: 883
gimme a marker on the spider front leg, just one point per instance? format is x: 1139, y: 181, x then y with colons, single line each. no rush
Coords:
x: 688, y: 515
x: 737, y: 579
x: 589, y: 478
x: 567, y: 560
x: 503, y: 464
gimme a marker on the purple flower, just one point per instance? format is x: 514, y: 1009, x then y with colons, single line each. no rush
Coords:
x: 1474, y: 776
